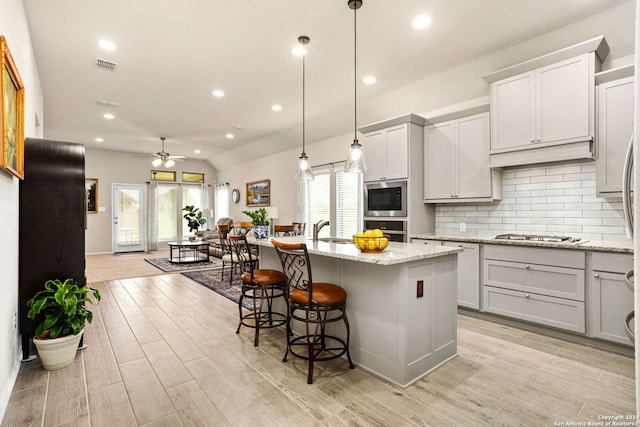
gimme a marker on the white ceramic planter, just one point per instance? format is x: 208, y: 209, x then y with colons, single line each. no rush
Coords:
x: 57, y: 353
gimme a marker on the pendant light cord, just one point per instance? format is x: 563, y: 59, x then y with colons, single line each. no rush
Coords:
x: 304, y: 53
x: 355, y: 76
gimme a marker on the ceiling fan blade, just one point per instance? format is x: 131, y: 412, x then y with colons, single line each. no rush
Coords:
x: 176, y: 157
x: 146, y: 156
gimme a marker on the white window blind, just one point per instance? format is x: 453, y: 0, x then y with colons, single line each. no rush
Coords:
x: 348, y: 204
x: 319, y: 201
x: 336, y: 196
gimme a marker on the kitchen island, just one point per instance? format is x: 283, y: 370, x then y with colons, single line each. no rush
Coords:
x: 401, y: 302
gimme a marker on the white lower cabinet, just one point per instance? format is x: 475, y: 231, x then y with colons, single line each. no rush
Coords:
x: 468, y: 274
x: 540, y: 285
x: 610, y: 300
x: 468, y: 279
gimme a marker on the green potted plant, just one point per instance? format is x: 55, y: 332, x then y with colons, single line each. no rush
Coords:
x: 194, y: 219
x: 63, y: 314
x: 260, y: 222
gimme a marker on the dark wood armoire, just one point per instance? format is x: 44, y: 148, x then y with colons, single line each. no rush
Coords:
x: 52, y: 221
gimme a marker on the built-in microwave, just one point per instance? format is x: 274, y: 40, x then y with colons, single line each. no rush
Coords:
x: 385, y: 198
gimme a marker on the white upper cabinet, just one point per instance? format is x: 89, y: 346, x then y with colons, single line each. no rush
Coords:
x: 615, y: 127
x: 386, y: 153
x: 387, y: 147
x: 543, y: 110
x: 456, y: 161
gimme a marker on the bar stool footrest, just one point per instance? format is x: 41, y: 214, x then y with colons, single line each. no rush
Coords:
x: 319, y: 348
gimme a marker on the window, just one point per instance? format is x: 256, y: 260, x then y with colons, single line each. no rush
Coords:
x: 191, y: 195
x: 192, y: 177
x: 167, y: 203
x: 222, y: 201
x: 163, y: 176
x: 336, y: 196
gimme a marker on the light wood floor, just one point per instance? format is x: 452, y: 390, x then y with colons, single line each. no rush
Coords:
x: 162, y: 351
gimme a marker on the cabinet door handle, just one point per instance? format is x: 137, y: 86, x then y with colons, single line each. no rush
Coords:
x: 533, y: 140
x: 596, y: 275
x: 459, y: 246
x: 527, y: 296
x: 527, y: 266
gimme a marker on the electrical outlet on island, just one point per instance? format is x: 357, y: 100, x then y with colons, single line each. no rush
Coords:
x: 463, y: 227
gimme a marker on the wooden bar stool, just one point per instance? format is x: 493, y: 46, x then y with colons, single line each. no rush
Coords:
x: 313, y: 304
x: 283, y: 230
x: 262, y: 286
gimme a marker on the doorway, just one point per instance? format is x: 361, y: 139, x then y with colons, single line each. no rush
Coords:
x: 129, y: 213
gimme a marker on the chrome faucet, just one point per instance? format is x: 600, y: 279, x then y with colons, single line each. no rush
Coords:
x: 317, y: 227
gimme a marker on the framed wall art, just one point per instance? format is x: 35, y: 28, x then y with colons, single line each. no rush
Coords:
x: 258, y: 193
x: 91, y: 188
x: 11, y: 113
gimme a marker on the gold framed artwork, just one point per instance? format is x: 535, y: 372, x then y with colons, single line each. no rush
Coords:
x: 259, y: 193
x: 91, y: 188
x: 11, y: 113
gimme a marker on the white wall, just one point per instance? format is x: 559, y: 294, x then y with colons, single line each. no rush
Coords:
x: 13, y: 25
x: 280, y: 168
x: 114, y: 167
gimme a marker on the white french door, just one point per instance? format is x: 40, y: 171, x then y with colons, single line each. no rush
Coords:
x: 129, y: 213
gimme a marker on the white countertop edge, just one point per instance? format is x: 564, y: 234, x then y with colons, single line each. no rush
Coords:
x: 602, y: 246
x: 395, y: 253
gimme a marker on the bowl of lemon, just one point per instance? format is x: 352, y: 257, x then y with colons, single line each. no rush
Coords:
x: 371, y: 241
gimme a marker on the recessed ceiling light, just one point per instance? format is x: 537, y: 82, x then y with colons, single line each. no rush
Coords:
x: 369, y: 80
x: 107, y: 45
x: 98, y: 139
x: 299, y: 50
x: 229, y: 135
x: 421, y: 22
x: 196, y: 151
x: 218, y: 93
x: 276, y: 107
x: 109, y: 116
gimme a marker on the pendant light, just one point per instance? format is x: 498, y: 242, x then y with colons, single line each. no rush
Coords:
x: 355, y: 161
x: 304, y: 170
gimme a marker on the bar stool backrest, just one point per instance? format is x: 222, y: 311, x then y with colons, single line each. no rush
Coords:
x: 299, y: 228
x: 296, y: 266
x: 246, y: 258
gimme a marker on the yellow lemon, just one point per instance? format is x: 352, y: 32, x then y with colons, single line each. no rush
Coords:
x: 377, y: 233
x: 358, y: 234
x: 372, y: 244
x: 368, y: 233
x: 383, y: 242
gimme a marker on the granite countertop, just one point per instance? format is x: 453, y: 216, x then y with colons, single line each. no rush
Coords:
x: 619, y: 247
x: 395, y: 253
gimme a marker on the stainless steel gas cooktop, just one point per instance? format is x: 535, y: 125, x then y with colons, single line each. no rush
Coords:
x: 537, y: 238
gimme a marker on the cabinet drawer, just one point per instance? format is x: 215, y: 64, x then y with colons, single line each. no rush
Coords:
x: 559, y: 282
x: 615, y: 263
x: 427, y: 242
x: 557, y: 312
x: 547, y: 256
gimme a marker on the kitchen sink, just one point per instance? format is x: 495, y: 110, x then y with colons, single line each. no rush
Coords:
x: 338, y: 240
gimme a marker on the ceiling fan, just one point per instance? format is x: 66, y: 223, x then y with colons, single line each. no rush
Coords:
x: 164, y: 157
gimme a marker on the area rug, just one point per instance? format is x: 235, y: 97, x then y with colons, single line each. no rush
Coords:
x: 212, y: 280
x: 167, y: 266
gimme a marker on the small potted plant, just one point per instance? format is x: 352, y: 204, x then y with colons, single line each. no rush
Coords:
x: 260, y: 222
x: 61, y: 308
x: 194, y: 219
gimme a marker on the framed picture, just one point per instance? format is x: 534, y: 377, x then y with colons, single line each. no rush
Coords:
x: 11, y: 113
x: 91, y: 188
x: 258, y: 193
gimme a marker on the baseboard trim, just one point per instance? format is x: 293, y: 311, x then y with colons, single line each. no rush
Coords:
x: 555, y: 333
x: 8, y: 388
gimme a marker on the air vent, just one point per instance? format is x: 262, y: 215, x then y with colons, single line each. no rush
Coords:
x: 107, y: 103
x: 105, y: 65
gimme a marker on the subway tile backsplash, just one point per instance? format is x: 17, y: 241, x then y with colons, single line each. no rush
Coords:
x: 558, y: 200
